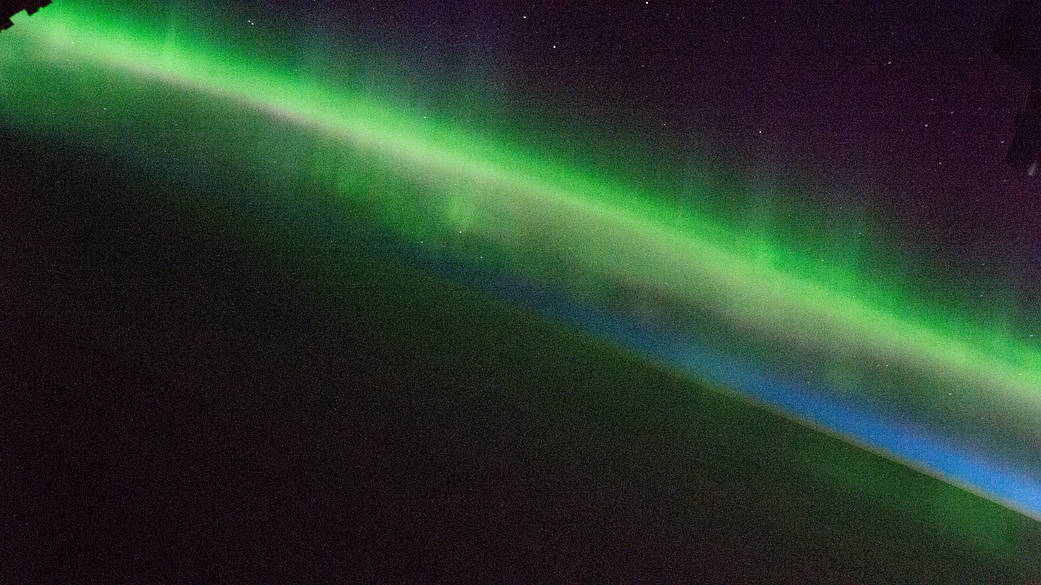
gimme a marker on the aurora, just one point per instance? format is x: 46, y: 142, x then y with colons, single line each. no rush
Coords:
x: 813, y: 340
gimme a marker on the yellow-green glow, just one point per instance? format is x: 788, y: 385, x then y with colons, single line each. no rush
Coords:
x: 426, y: 179
x: 605, y: 230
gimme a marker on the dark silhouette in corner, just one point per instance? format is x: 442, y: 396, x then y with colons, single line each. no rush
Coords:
x: 1017, y: 40
x: 9, y: 8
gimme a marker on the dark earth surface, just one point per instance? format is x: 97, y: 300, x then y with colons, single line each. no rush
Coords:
x: 198, y: 391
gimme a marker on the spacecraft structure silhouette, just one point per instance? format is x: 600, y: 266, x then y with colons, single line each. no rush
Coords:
x: 9, y: 8
x: 1017, y: 40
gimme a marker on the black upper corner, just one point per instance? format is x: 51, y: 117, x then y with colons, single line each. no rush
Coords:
x: 9, y: 8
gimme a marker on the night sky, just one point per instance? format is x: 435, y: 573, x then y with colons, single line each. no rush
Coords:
x: 257, y: 337
x: 901, y: 107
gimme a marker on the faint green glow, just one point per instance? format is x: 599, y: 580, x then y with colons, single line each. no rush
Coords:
x: 545, y: 212
x: 426, y: 179
x: 429, y: 181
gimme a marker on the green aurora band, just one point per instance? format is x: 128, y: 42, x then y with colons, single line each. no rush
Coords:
x: 585, y: 233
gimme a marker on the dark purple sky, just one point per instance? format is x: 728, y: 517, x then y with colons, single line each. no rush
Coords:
x: 901, y: 108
